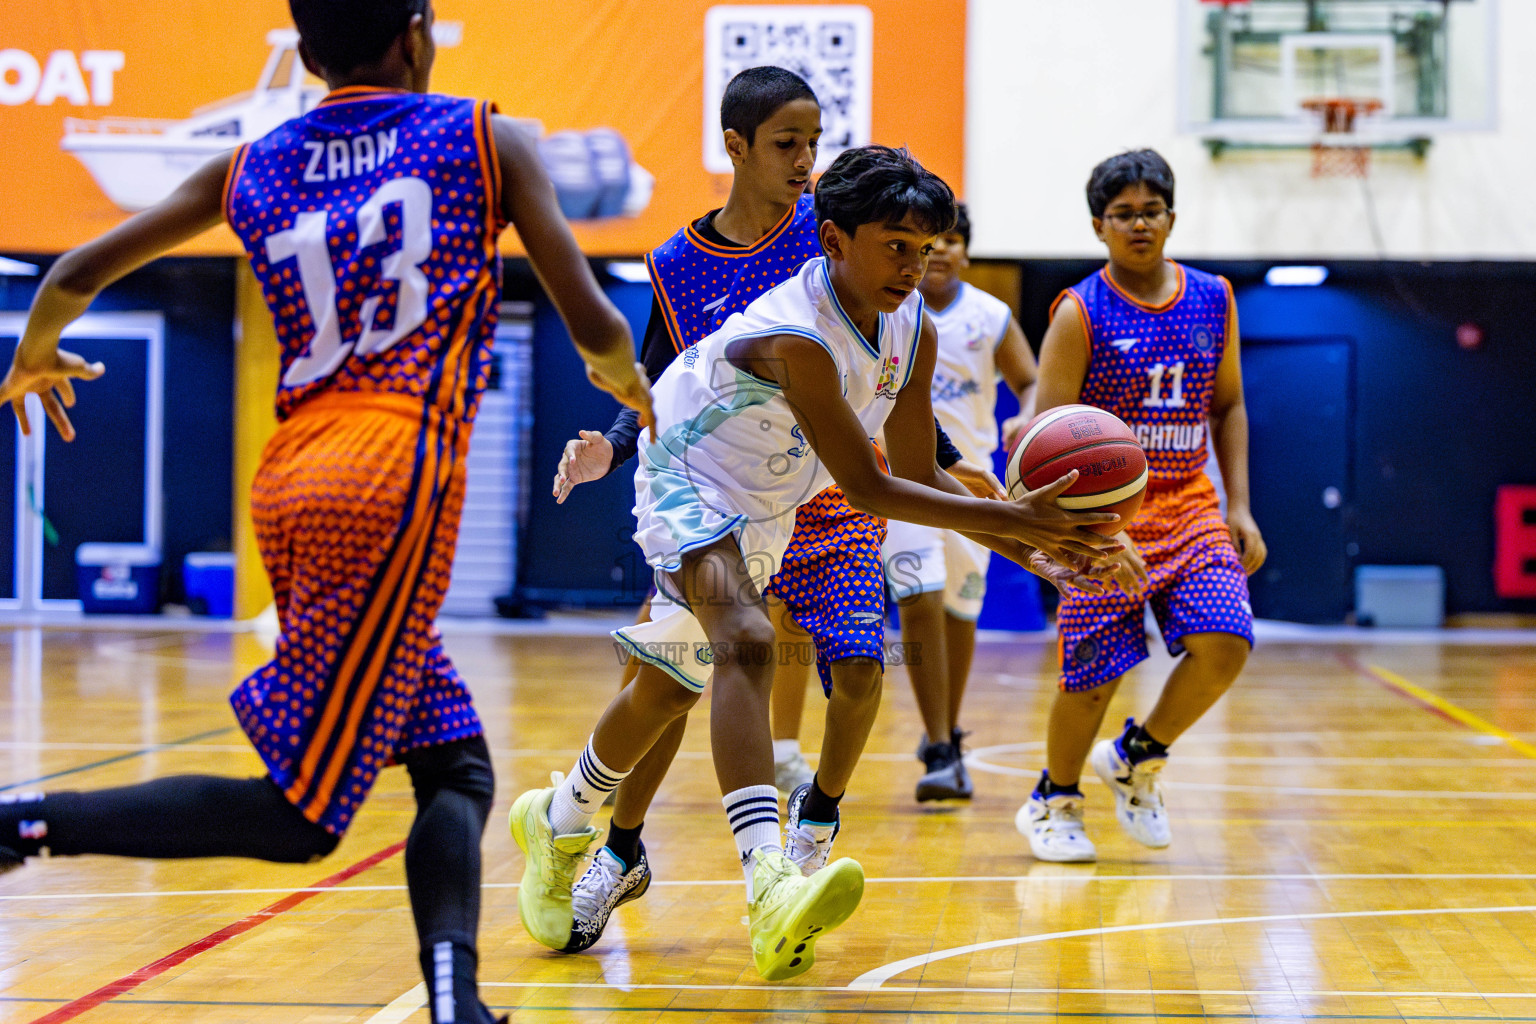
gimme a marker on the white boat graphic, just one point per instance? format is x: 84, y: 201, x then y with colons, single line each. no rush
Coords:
x: 138, y: 161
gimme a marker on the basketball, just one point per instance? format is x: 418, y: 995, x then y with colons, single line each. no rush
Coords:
x: 1111, y: 466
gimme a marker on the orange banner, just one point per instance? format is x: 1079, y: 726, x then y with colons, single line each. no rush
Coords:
x: 105, y: 107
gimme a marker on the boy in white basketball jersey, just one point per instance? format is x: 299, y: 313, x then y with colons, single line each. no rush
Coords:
x: 939, y: 577
x: 753, y: 421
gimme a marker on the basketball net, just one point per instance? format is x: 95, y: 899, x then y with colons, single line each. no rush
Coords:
x: 1337, y: 153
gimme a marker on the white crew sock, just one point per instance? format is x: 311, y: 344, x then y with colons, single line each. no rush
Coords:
x: 582, y: 793
x: 783, y: 750
x: 754, y: 816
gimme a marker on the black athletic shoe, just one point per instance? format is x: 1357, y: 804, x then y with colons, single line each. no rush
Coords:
x: 946, y: 777
x: 604, y: 888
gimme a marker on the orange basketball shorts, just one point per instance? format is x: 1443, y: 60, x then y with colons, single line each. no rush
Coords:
x: 1195, y: 583
x: 356, y: 506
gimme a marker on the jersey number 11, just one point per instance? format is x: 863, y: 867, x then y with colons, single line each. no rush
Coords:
x: 1155, y: 399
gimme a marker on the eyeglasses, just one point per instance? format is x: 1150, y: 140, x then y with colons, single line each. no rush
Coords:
x: 1126, y: 219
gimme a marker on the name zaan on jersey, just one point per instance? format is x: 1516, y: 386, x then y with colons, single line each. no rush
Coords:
x: 358, y: 154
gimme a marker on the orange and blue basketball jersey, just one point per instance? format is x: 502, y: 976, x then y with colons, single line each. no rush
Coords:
x: 699, y: 284
x: 371, y: 225
x: 1155, y: 368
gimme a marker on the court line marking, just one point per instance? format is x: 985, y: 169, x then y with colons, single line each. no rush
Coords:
x: 1435, y: 702
x: 401, y: 1008
x: 1276, y: 759
x: 906, y: 992
x: 1077, y: 874
x: 910, y: 990
x: 873, y: 980
x: 129, y: 982
x: 139, y: 752
x: 1195, y: 738
x: 977, y: 759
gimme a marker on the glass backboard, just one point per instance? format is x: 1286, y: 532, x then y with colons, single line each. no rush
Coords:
x: 1250, y: 69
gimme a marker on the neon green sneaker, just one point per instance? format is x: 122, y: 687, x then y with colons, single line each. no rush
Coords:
x: 792, y: 911
x: 544, y: 897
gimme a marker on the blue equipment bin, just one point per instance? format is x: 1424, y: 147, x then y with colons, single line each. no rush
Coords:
x: 1400, y: 596
x: 209, y: 580
x: 118, y: 579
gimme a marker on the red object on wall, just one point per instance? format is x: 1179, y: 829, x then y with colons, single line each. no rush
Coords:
x: 1514, y: 541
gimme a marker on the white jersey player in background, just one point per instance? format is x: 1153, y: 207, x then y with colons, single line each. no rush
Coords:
x: 937, y: 576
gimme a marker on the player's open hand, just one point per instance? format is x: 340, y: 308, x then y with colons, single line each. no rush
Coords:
x: 978, y: 480
x: 630, y: 386
x: 1127, y: 569
x: 1043, y: 524
x: 1082, y: 576
x: 52, y: 380
x: 1247, y: 539
x: 585, y: 458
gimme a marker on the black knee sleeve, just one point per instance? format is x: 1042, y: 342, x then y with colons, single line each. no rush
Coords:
x: 463, y: 766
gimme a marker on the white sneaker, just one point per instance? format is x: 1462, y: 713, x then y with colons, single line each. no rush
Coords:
x: 605, y: 887
x: 1138, y: 797
x: 808, y: 845
x: 791, y: 773
x: 1054, y: 827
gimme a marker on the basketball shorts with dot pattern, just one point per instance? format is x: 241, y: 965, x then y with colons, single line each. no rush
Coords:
x: 833, y: 582
x: 1195, y: 583
x: 356, y: 506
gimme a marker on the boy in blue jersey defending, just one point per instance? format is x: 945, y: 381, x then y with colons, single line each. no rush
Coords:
x: 371, y: 224
x: 1155, y: 343
x: 754, y: 421
x: 829, y: 589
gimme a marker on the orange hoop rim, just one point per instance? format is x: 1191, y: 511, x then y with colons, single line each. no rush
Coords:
x: 1339, y: 112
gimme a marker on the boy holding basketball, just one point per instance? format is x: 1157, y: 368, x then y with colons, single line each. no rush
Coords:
x: 1155, y: 343
x: 828, y: 596
x: 754, y: 420
x: 382, y: 276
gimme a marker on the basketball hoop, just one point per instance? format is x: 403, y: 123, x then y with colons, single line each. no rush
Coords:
x: 1337, y: 153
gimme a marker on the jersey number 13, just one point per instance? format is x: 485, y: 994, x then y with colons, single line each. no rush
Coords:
x: 306, y: 240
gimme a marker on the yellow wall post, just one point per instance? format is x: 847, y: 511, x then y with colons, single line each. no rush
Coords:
x: 256, y: 373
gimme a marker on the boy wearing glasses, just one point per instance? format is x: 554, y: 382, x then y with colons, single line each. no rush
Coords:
x: 1155, y: 343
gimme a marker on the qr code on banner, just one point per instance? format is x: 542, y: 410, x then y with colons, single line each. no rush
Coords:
x: 828, y: 46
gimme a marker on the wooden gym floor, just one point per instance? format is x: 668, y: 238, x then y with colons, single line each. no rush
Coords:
x: 1353, y: 841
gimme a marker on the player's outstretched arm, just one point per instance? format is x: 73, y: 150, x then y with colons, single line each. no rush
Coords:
x: 1229, y: 430
x: 77, y: 277
x: 598, y: 329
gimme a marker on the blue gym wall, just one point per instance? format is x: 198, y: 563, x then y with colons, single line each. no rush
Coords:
x: 196, y: 295
x: 580, y: 552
